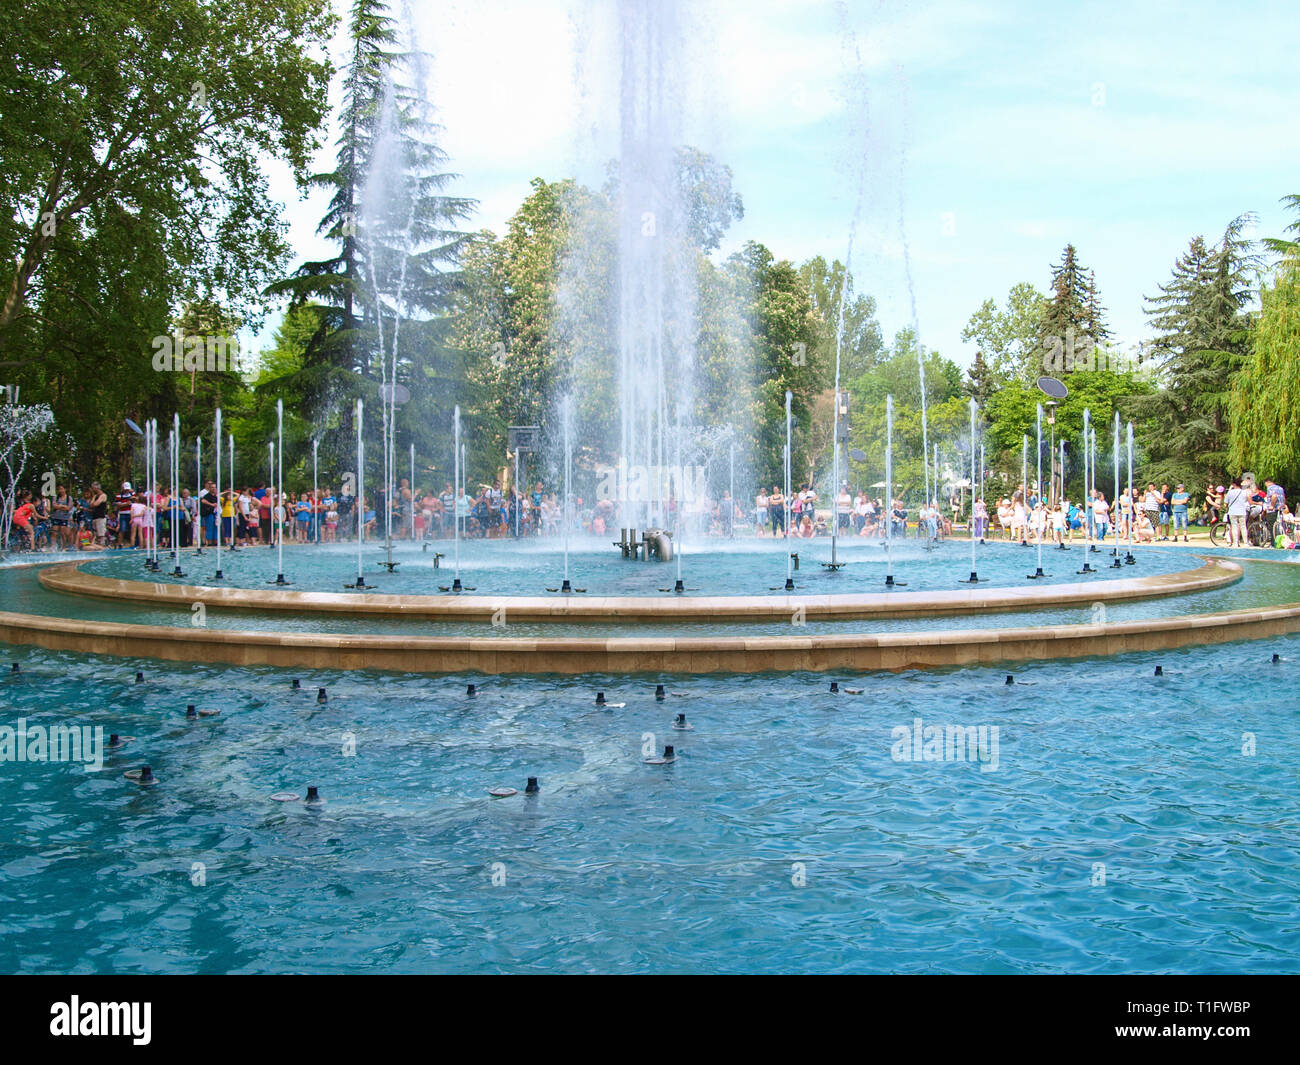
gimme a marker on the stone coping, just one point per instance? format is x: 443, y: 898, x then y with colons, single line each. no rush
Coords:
x: 67, y: 577
x: 661, y: 655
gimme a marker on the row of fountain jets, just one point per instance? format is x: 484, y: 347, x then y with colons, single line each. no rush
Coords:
x: 275, y: 450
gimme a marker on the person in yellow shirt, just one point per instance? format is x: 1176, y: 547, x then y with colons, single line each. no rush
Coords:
x: 228, y: 518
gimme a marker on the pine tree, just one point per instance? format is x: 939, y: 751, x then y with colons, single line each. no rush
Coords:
x: 394, y: 232
x: 1097, y: 328
x: 1067, y: 309
x: 1203, y: 340
x: 1071, y: 314
x: 980, y: 384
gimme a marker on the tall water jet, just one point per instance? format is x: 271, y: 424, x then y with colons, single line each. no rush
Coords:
x: 360, y: 502
x: 1038, y: 424
x: 1114, y: 501
x: 566, y: 413
x: 1024, y: 488
x: 457, y: 471
x: 1087, y: 487
x: 234, y: 498
x: 656, y: 275
x: 889, y: 491
x: 174, y: 476
x: 281, y: 505
x: 974, y: 574
x: 789, y: 418
x: 1129, y: 560
x: 198, y: 491
x: 220, y: 520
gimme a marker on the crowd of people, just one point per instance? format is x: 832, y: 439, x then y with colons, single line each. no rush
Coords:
x: 136, y: 518
x: 854, y: 515
x: 1153, y: 515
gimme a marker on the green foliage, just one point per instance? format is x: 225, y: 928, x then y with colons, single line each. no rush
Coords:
x: 1203, y: 338
x: 1012, y: 414
x: 1009, y: 338
x: 1266, y: 393
x: 898, y: 375
x: 133, y: 147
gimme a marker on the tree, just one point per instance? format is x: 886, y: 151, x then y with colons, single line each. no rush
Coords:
x: 1265, y: 397
x: 1095, y: 325
x: 1203, y: 339
x: 980, y: 384
x: 898, y: 375
x: 1009, y: 338
x: 1073, y: 320
x: 159, y: 116
x: 861, y: 344
x: 1283, y: 246
x: 381, y: 302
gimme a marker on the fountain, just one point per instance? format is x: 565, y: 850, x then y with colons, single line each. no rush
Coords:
x: 220, y: 520
x: 1129, y: 560
x: 1087, y: 488
x: 974, y: 575
x: 360, y: 502
x: 1038, y: 421
x: 1114, y: 502
x: 173, y: 473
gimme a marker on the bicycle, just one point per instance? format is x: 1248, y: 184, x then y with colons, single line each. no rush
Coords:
x: 1257, y: 532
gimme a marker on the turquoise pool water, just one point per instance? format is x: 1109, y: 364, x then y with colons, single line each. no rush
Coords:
x: 909, y: 866
x: 1263, y: 584
x: 747, y: 567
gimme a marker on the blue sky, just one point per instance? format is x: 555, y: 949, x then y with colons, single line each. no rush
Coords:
x: 986, y: 135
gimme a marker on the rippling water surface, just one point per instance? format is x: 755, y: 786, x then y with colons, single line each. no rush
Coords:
x: 1132, y: 823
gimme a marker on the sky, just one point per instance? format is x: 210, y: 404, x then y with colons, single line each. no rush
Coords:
x: 961, y: 144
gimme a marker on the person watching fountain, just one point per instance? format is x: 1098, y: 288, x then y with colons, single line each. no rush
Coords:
x: 1178, y: 502
x: 776, y: 509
